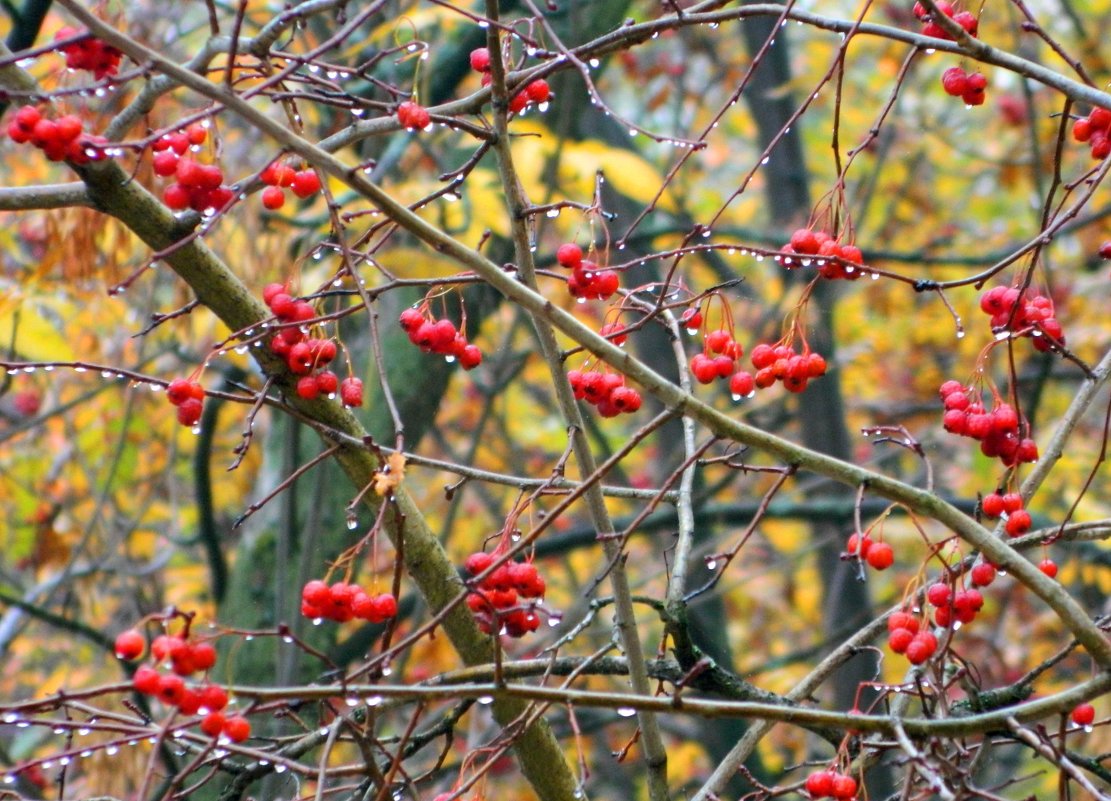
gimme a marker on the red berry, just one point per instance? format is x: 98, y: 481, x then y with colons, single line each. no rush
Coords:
x: 171, y: 689
x: 938, y: 594
x: 204, y: 655
x: 1018, y: 523
x: 130, y: 645
x: 899, y: 639
x: 189, y: 412
x: 741, y: 385
x: 306, y: 183
x: 478, y: 562
x: 843, y: 787
x: 983, y: 574
x: 413, y: 116
x: 213, y: 697
x: 146, y: 680
x: 213, y: 723
x: 28, y: 117
x: 1012, y: 502
x: 820, y: 784
x: 385, y: 605
x: 992, y: 505
x: 237, y: 728
x: 327, y: 382
x: 902, y: 620
x: 804, y: 241
x: 538, y: 91
x: 955, y: 81
x: 165, y: 163
x: 351, y: 391
x: 881, y: 556
x: 1049, y: 567
x: 569, y: 255
x: 480, y: 59
x: 1083, y: 715
x: 196, y: 134
x: 176, y: 196
x: 1105, y: 250
x: 692, y: 318
x: 859, y: 545
x: 470, y: 357
x: 273, y: 197
x: 307, y: 387
x: 718, y: 340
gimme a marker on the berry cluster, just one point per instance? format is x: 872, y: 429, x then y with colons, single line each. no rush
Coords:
x: 998, y: 430
x: 343, y: 601
x: 413, y: 116
x: 197, y: 186
x: 718, y: 357
x: 63, y: 139
x: 607, y: 391
x: 536, y: 91
x: 781, y: 363
x: 185, y: 657
x: 930, y: 26
x: 587, y: 281
x: 904, y: 636
x: 1008, y: 506
x: 306, y: 356
x: 830, y: 784
x: 1095, y: 129
x: 495, y: 600
x: 877, y: 553
x: 188, y: 397
x: 439, y: 336
x: 90, y: 53
x: 961, y: 606
x: 830, y: 254
x: 971, y: 87
x: 278, y: 175
x: 1027, y: 315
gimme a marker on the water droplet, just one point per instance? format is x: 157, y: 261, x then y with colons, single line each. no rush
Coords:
x: 248, y: 638
x: 486, y: 700
x: 352, y: 521
x: 11, y: 717
x: 552, y: 213
x: 712, y: 564
x: 960, y: 333
x: 111, y: 750
x: 352, y: 701
x: 374, y: 700
x: 765, y: 160
x: 287, y: 639
x: 594, y: 63
x: 626, y: 711
x: 387, y: 670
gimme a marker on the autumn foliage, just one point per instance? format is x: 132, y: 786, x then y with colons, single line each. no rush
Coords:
x: 435, y: 400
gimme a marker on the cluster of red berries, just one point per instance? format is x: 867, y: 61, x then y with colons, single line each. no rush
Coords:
x: 63, y: 139
x: 495, y: 601
x: 278, y: 175
x: 718, y: 358
x: 90, y: 53
x: 1095, y: 129
x: 1028, y: 315
x: 930, y: 26
x: 185, y: 657
x: 830, y: 254
x: 587, y: 280
x: 344, y: 601
x: 188, y: 397
x: 413, y: 116
x: 781, y: 363
x: 537, y: 91
x: 607, y: 391
x: 307, y: 356
x: 971, y: 87
x: 961, y: 606
x: 830, y: 784
x: 197, y: 186
x: 877, y: 553
x: 439, y: 336
x: 904, y: 636
x: 998, y: 430
x: 1010, y: 507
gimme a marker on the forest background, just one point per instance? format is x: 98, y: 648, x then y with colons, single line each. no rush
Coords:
x: 699, y: 535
